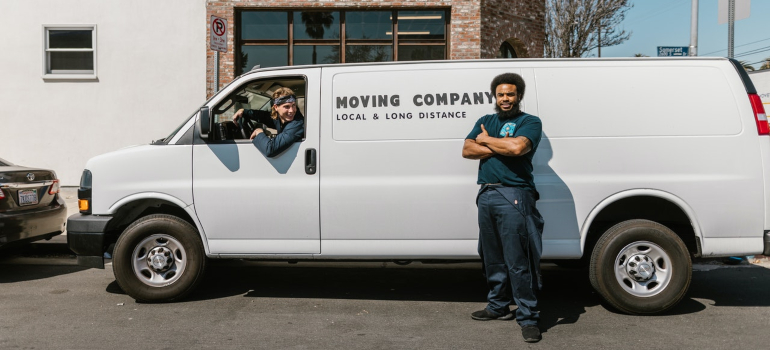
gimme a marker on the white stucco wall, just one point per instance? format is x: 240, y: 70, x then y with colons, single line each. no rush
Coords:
x: 151, y: 74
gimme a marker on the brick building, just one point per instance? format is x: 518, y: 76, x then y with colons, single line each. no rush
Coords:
x: 294, y: 32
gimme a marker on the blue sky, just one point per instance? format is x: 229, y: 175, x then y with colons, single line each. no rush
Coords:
x: 667, y: 23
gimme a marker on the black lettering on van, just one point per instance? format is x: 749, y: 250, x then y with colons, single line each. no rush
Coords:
x: 440, y: 98
x: 478, y: 97
x: 489, y: 96
x: 466, y: 99
x: 354, y: 102
x: 429, y: 100
x: 453, y: 97
x: 365, y: 101
x: 395, y: 101
x: 342, y: 102
x: 382, y: 101
x: 417, y: 100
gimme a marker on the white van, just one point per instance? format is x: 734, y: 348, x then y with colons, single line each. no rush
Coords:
x: 644, y: 163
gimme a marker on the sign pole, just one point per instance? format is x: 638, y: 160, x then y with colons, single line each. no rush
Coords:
x: 218, y: 43
x: 216, y: 72
x: 731, y: 28
x: 694, y: 29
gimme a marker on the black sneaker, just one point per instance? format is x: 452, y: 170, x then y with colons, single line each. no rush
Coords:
x: 531, y: 334
x: 485, y: 315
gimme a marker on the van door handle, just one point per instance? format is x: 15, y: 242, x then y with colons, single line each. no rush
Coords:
x: 310, y: 157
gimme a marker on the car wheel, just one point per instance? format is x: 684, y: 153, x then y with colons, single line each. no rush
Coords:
x: 640, y: 267
x: 159, y: 258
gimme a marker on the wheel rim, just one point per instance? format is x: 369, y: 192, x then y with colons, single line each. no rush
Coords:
x: 159, y: 260
x: 643, y: 269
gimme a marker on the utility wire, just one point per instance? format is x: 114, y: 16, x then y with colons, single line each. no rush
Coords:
x: 753, y: 42
x: 751, y: 52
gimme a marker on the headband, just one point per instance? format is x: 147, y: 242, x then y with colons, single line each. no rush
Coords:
x: 284, y: 99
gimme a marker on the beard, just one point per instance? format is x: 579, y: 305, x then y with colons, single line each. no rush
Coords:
x: 508, y: 114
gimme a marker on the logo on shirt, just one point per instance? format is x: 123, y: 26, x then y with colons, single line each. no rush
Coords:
x: 508, y: 128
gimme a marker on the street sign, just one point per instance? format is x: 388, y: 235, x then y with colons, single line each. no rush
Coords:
x: 673, y: 51
x: 742, y: 10
x: 218, y: 34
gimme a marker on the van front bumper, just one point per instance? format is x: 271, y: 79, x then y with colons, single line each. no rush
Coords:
x: 85, y: 237
x: 767, y: 243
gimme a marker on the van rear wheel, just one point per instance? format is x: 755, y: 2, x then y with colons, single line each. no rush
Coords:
x: 159, y: 258
x: 640, y: 267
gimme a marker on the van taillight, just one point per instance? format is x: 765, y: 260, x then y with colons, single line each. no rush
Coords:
x: 759, y: 114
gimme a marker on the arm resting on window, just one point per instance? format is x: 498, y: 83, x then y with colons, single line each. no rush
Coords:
x: 273, y: 147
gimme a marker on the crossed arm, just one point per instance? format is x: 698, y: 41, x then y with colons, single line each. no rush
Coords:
x: 485, y: 146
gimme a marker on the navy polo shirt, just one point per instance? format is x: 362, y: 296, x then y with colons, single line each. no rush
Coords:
x: 509, y: 171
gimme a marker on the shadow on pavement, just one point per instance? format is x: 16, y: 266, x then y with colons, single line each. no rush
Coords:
x: 21, y: 273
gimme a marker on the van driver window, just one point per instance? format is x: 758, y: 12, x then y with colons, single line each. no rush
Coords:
x: 268, y: 112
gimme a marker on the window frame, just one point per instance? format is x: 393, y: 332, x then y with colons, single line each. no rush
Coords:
x: 68, y: 74
x: 343, y: 42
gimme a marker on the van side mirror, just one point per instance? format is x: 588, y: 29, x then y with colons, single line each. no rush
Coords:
x: 205, y: 122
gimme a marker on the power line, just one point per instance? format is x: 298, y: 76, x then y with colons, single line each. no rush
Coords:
x: 753, y: 42
x: 752, y: 52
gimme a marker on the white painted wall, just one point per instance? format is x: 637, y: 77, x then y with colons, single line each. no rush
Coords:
x: 151, y: 70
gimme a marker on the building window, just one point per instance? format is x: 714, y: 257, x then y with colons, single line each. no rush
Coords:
x: 506, y: 51
x: 281, y: 38
x: 70, y: 52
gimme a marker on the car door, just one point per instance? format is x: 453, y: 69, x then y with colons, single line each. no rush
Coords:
x: 248, y: 203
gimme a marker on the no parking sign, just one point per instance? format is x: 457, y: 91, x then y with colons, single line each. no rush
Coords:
x: 218, y: 34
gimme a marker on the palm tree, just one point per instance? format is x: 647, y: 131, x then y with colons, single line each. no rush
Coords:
x: 316, y: 24
x: 765, y: 65
x: 746, y: 66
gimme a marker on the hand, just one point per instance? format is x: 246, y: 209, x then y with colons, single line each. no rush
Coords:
x: 483, y: 136
x: 255, y: 133
x: 237, y: 115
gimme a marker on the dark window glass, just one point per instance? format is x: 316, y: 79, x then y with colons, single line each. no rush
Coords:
x: 421, y: 25
x: 506, y: 51
x: 368, y: 25
x: 316, y: 54
x: 70, y: 39
x: 368, y: 53
x: 264, y: 25
x: 420, y: 52
x: 265, y: 56
x: 316, y: 25
x: 72, y: 61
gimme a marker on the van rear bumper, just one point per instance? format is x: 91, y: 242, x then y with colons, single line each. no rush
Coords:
x: 85, y: 237
x: 766, y: 251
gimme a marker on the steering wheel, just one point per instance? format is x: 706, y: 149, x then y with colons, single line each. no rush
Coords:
x: 245, y: 127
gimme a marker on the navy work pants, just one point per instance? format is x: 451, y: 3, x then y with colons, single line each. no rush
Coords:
x: 510, y: 245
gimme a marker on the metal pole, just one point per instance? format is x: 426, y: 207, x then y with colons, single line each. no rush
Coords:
x: 216, y: 73
x: 731, y: 29
x: 694, y: 29
x: 599, y: 39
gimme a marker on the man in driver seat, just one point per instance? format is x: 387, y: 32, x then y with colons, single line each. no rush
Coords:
x: 284, y: 117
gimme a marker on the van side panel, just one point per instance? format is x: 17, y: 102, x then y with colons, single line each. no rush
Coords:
x: 654, y: 126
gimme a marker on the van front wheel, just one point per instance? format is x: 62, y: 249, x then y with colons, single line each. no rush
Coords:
x: 641, y: 267
x: 158, y: 258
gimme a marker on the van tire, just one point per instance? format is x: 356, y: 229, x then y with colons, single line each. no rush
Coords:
x: 640, y: 267
x: 159, y: 258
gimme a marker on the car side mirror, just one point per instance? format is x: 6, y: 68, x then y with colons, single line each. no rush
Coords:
x: 205, y: 123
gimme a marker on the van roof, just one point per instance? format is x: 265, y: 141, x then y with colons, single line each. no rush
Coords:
x: 496, y: 60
